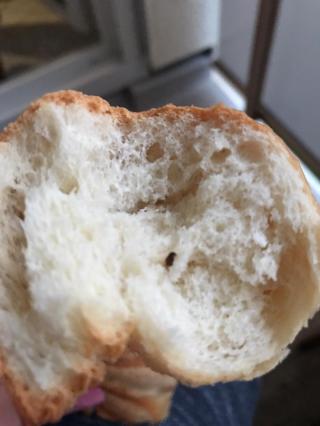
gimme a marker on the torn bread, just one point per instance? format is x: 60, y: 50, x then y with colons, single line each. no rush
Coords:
x: 189, y: 232
x: 135, y: 393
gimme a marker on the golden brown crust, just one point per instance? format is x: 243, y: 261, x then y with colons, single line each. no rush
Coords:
x: 37, y: 408
x: 217, y: 114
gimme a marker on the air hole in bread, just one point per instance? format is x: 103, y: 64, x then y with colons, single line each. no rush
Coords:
x: 193, y: 156
x: 251, y: 151
x: 194, y: 182
x: 69, y: 184
x: 37, y: 161
x: 154, y: 152
x: 220, y: 227
x: 271, y: 223
x: 190, y: 188
x: 175, y: 173
x: 237, y: 203
x: 220, y: 156
x: 213, y: 347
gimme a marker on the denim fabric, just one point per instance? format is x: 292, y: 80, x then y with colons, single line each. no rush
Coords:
x: 231, y: 404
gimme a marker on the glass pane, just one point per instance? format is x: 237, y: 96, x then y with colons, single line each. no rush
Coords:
x: 34, y: 32
x: 292, y: 90
x: 237, y: 30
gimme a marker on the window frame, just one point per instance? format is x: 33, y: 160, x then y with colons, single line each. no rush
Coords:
x: 265, y: 26
x: 92, y: 69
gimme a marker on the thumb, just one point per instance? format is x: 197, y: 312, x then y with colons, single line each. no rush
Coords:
x: 9, y: 415
x: 90, y: 399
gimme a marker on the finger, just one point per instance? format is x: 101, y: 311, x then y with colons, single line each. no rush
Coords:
x: 8, y: 414
x: 90, y: 399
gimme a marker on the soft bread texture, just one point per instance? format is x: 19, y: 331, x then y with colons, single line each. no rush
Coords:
x: 135, y: 393
x: 189, y: 232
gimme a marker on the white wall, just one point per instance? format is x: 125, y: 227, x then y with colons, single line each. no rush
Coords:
x: 177, y: 29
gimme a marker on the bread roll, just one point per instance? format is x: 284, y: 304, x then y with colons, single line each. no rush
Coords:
x: 190, y: 233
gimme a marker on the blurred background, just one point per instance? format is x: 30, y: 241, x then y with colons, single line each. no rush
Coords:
x: 260, y: 56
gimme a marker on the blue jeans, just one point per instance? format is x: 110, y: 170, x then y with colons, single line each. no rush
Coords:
x: 231, y: 404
